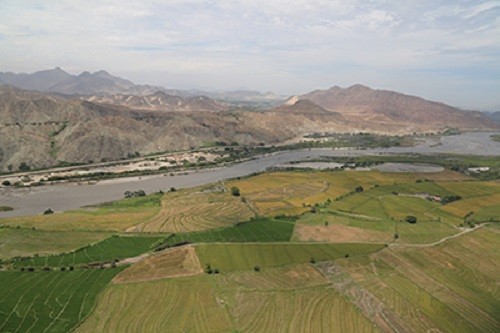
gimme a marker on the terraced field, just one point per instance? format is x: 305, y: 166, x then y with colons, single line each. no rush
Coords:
x: 186, y: 211
x: 231, y: 257
x: 28, y: 242
x: 49, y: 301
x: 172, y: 305
x: 450, y: 287
x: 176, y: 262
x: 334, y: 267
x: 114, y: 247
x: 292, y: 298
x: 287, y: 192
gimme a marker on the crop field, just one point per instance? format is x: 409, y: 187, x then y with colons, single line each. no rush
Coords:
x: 297, y: 251
x: 257, y: 230
x: 277, y: 193
x: 176, y: 262
x: 49, y: 301
x: 186, y: 211
x: 114, y: 216
x: 172, y: 305
x: 25, y: 242
x: 115, y: 247
x: 231, y: 257
x: 293, y: 298
x: 444, y: 288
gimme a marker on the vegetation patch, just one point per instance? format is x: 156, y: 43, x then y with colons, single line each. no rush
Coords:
x: 49, y: 301
x: 111, y: 249
x: 184, y: 211
x: 171, y: 305
x: 24, y: 242
x: 255, y: 230
x: 112, y: 216
x: 231, y: 257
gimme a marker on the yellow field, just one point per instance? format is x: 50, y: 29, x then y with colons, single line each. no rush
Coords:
x: 450, y: 288
x: 338, y: 233
x: 181, y: 261
x: 85, y: 220
x: 194, y: 210
x: 172, y: 305
x: 296, y: 298
x: 287, y: 192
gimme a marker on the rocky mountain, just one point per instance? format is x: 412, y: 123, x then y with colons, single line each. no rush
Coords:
x: 41, y: 81
x: 377, y: 109
x: 160, y: 101
x: 58, y: 81
x: 495, y: 116
x: 42, y: 129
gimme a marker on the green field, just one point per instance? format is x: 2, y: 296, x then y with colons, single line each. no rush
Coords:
x: 25, y: 242
x: 49, y: 301
x: 258, y: 230
x: 115, y: 247
x: 230, y: 257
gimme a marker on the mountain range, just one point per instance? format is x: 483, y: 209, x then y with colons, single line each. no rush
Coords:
x: 52, y: 116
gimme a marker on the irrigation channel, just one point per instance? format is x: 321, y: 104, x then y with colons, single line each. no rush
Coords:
x: 61, y: 197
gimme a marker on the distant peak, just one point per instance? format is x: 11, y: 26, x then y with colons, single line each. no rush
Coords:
x: 86, y: 73
x: 101, y: 72
x: 359, y: 87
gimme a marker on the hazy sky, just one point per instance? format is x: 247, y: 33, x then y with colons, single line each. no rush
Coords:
x: 445, y: 50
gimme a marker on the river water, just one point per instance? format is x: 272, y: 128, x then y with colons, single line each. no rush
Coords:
x: 31, y: 201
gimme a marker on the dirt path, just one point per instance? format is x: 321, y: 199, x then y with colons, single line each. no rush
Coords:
x: 442, y: 240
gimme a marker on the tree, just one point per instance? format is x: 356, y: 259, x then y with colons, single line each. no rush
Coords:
x: 256, y: 268
x: 48, y: 211
x: 359, y: 188
x: 411, y: 219
x: 6, y: 183
x: 235, y: 191
x: 24, y: 167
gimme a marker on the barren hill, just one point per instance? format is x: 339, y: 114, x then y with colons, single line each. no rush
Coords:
x: 374, y: 108
x: 160, y: 101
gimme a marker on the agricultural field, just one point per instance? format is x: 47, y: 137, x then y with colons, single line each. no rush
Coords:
x: 451, y: 287
x: 195, y: 210
x: 301, y: 251
x: 109, y: 217
x: 232, y: 257
x: 292, y: 298
x: 24, y: 242
x: 115, y: 247
x: 49, y: 301
x: 255, y: 230
x: 176, y: 262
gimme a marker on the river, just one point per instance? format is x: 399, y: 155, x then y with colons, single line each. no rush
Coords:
x: 61, y: 197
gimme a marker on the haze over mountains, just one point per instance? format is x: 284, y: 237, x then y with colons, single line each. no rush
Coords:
x: 97, y: 116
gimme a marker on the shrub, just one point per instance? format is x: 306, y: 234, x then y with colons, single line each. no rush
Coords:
x: 256, y: 268
x: 48, y: 212
x: 411, y: 219
x: 6, y: 183
x: 312, y: 261
x: 235, y: 191
x: 358, y: 189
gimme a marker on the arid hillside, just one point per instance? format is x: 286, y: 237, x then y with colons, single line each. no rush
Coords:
x: 365, y: 106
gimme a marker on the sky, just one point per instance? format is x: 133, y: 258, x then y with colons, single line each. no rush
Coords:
x: 443, y: 50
